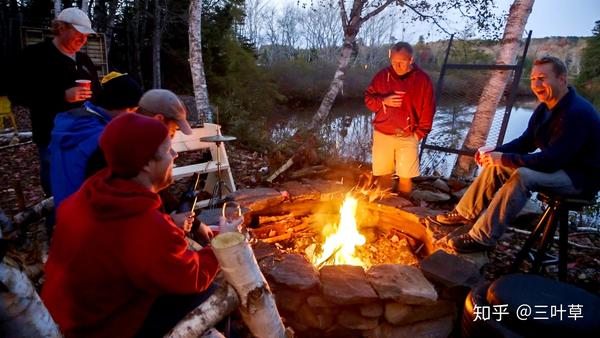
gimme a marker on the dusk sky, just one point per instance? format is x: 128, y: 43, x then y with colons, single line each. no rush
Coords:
x: 548, y: 18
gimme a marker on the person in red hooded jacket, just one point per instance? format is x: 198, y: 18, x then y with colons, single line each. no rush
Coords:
x: 402, y: 98
x: 114, y: 254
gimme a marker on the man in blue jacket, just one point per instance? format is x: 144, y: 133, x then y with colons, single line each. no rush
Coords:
x: 565, y: 128
x: 74, y: 151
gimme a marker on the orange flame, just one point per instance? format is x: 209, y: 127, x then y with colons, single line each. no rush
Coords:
x: 340, y: 243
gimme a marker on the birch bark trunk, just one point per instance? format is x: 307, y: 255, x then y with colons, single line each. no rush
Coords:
x: 156, y: 44
x: 57, y: 7
x: 488, y: 102
x: 196, y: 63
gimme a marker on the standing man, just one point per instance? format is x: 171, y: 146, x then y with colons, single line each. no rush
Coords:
x: 403, y: 101
x: 565, y: 128
x: 117, y: 265
x: 44, y: 80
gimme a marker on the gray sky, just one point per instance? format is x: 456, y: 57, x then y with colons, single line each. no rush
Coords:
x: 548, y: 18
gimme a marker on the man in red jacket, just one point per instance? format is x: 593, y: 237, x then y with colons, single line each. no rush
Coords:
x: 402, y: 98
x: 114, y: 255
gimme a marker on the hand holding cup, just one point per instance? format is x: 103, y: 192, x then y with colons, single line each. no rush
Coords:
x: 81, y: 92
x: 482, y: 151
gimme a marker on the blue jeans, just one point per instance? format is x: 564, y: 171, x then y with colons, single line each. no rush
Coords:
x: 505, y: 192
x: 44, y: 158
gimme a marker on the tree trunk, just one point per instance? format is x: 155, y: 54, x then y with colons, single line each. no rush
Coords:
x: 22, y: 313
x: 208, y: 314
x: 351, y: 26
x: 241, y: 270
x: 110, y: 23
x: 488, y: 102
x: 57, y: 7
x: 156, y: 44
x: 196, y: 63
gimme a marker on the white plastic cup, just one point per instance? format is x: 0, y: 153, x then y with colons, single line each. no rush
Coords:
x: 485, y: 149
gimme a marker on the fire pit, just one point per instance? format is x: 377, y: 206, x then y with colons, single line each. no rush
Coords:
x: 343, y: 266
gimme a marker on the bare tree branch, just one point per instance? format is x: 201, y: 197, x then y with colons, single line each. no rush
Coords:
x: 376, y: 11
x: 343, y: 14
x: 426, y: 16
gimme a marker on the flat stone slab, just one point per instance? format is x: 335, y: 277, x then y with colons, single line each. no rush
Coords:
x: 450, y: 270
x: 258, y: 198
x: 439, y: 327
x: 402, y: 283
x: 395, y: 201
x: 295, y: 272
x: 328, y: 189
x: 352, y: 320
x: 429, y: 196
x: 299, y: 191
x: 346, y: 284
x: 402, y: 314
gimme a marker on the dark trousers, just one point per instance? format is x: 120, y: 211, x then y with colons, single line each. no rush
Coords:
x: 168, y: 310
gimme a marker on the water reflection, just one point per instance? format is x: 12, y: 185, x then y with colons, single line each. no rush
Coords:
x: 348, y: 131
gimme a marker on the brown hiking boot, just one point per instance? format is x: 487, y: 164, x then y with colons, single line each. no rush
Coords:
x: 451, y: 218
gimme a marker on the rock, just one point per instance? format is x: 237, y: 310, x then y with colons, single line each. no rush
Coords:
x: 346, y: 284
x: 395, y: 201
x: 262, y: 250
x: 319, y: 301
x: 289, y: 300
x: 402, y: 283
x: 372, y: 310
x: 352, y: 320
x: 398, y: 315
x: 299, y: 191
x: 396, y: 312
x: 258, y: 198
x: 295, y: 272
x: 421, y: 212
x: 441, y: 327
x: 429, y: 196
x: 450, y: 270
x: 529, y: 215
x: 329, y: 189
x: 307, y: 316
x: 441, y: 185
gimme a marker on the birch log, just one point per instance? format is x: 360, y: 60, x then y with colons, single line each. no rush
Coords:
x: 22, y: 313
x: 208, y: 314
x: 196, y: 62
x: 241, y: 270
x: 34, y: 212
x: 488, y: 102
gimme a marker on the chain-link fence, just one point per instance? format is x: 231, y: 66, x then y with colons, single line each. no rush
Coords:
x: 459, y: 89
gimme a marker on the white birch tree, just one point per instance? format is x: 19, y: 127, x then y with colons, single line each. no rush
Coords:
x: 196, y: 63
x: 492, y: 92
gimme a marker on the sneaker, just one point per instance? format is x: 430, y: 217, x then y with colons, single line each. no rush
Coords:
x: 451, y: 218
x: 467, y: 244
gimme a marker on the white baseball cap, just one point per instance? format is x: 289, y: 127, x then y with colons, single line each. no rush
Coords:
x: 77, y: 18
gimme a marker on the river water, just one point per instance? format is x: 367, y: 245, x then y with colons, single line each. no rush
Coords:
x: 347, y: 133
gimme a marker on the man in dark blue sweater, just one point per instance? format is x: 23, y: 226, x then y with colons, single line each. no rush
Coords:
x: 566, y: 130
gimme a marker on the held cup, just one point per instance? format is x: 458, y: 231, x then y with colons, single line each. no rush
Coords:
x: 485, y: 149
x: 87, y: 84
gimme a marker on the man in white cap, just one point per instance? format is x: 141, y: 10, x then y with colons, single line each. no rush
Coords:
x: 45, y: 79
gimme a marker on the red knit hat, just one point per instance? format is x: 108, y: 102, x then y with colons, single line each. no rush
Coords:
x: 129, y: 141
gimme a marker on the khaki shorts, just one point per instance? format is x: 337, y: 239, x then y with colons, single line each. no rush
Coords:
x: 401, y: 153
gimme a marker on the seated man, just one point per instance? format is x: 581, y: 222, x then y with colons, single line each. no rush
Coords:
x: 114, y: 254
x: 566, y: 129
x: 74, y: 152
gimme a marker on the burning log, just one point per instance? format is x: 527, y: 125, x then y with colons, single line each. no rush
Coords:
x: 242, y: 272
x: 22, y: 313
x: 221, y: 303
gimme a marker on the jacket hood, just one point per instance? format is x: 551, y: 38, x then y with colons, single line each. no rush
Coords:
x: 70, y: 129
x: 116, y: 198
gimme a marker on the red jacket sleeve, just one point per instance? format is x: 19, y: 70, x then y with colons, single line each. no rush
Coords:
x: 374, y: 94
x: 427, y: 108
x: 163, y: 264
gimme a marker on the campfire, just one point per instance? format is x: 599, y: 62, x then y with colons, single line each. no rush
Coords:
x: 341, y: 239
